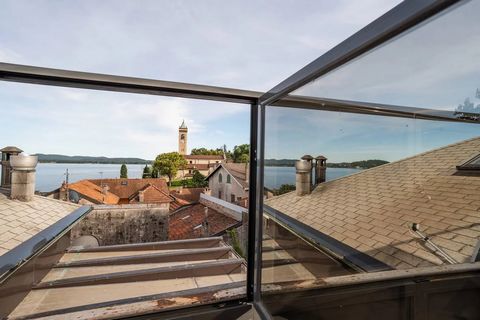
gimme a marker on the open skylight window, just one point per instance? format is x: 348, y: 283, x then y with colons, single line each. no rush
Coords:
x: 472, y: 164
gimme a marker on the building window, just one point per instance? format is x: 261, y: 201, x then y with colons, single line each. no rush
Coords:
x: 232, y: 198
x: 219, y: 194
x: 220, y: 178
x: 229, y: 180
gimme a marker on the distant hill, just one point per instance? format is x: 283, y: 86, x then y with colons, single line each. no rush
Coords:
x: 364, y: 164
x: 58, y: 158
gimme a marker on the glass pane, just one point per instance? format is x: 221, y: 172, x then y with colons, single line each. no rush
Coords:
x: 433, y: 66
x: 145, y: 168
x: 378, y: 196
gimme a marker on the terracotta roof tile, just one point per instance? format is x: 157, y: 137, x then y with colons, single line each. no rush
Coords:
x: 151, y: 194
x: 204, y: 157
x: 191, y: 195
x: 125, y: 188
x: 373, y: 209
x: 184, y: 223
x: 93, y: 192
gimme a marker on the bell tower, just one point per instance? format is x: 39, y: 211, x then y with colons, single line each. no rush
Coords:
x: 182, y: 138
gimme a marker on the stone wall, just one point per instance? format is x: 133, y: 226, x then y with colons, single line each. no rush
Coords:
x: 125, y: 224
x: 230, y: 210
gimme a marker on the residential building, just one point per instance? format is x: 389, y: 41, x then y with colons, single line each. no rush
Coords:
x: 229, y: 182
x: 115, y: 191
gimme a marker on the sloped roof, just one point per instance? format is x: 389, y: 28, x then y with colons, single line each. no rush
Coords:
x: 11, y: 149
x: 94, y: 192
x: 237, y: 170
x: 191, y: 195
x: 152, y: 194
x: 372, y: 211
x: 183, y: 125
x: 19, y: 221
x: 126, y: 188
x: 197, y: 166
x: 184, y: 224
x: 203, y: 157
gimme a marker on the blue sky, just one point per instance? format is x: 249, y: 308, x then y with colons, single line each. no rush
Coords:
x: 243, y: 44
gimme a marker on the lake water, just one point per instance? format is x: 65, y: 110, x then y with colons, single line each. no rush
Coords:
x: 51, y: 175
x: 276, y: 176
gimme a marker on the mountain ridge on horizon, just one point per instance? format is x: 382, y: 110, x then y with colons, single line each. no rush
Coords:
x: 60, y: 158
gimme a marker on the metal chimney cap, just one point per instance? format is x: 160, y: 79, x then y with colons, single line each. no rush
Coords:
x: 307, y: 157
x: 320, y: 157
x: 23, y: 162
x: 11, y: 149
x: 303, y: 166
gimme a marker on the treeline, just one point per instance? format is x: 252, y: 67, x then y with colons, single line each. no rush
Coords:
x: 239, y: 154
x: 59, y: 158
x: 363, y: 164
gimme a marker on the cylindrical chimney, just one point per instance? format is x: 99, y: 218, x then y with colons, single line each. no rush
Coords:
x: 23, y: 176
x: 6, y: 174
x: 303, y: 177
x: 312, y: 178
x: 320, y: 169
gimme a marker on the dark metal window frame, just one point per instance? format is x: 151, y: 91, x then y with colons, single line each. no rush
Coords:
x: 470, y: 165
x: 394, y: 22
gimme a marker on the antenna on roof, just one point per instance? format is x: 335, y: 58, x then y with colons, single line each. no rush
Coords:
x: 432, y: 246
x: 66, y: 184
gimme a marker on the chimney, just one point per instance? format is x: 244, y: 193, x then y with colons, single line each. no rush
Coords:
x: 23, y: 176
x: 141, y: 196
x: 303, y: 177
x: 309, y: 158
x: 6, y: 176
x: 206, y: 227
x: 320, y: 169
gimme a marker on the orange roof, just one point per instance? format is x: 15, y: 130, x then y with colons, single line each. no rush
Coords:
x: 186, y: 223
x: 151, y: 194
x: 93, y: 192
x: 190, y: 195
x: 126, y: 188
x: 204, y: 157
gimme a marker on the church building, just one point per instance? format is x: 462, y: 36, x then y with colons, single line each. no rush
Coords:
x: 205, y: 164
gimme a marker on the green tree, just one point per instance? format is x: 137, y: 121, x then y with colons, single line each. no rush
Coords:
x: 154, y: 172
x: 147, y: 172
x: 123, y: 171
x: 239, y: 151
x: 244, y: 158
x: 284, y: 188
x: 168, y: 164
x: 198, y: 179
x: 205, y: 151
